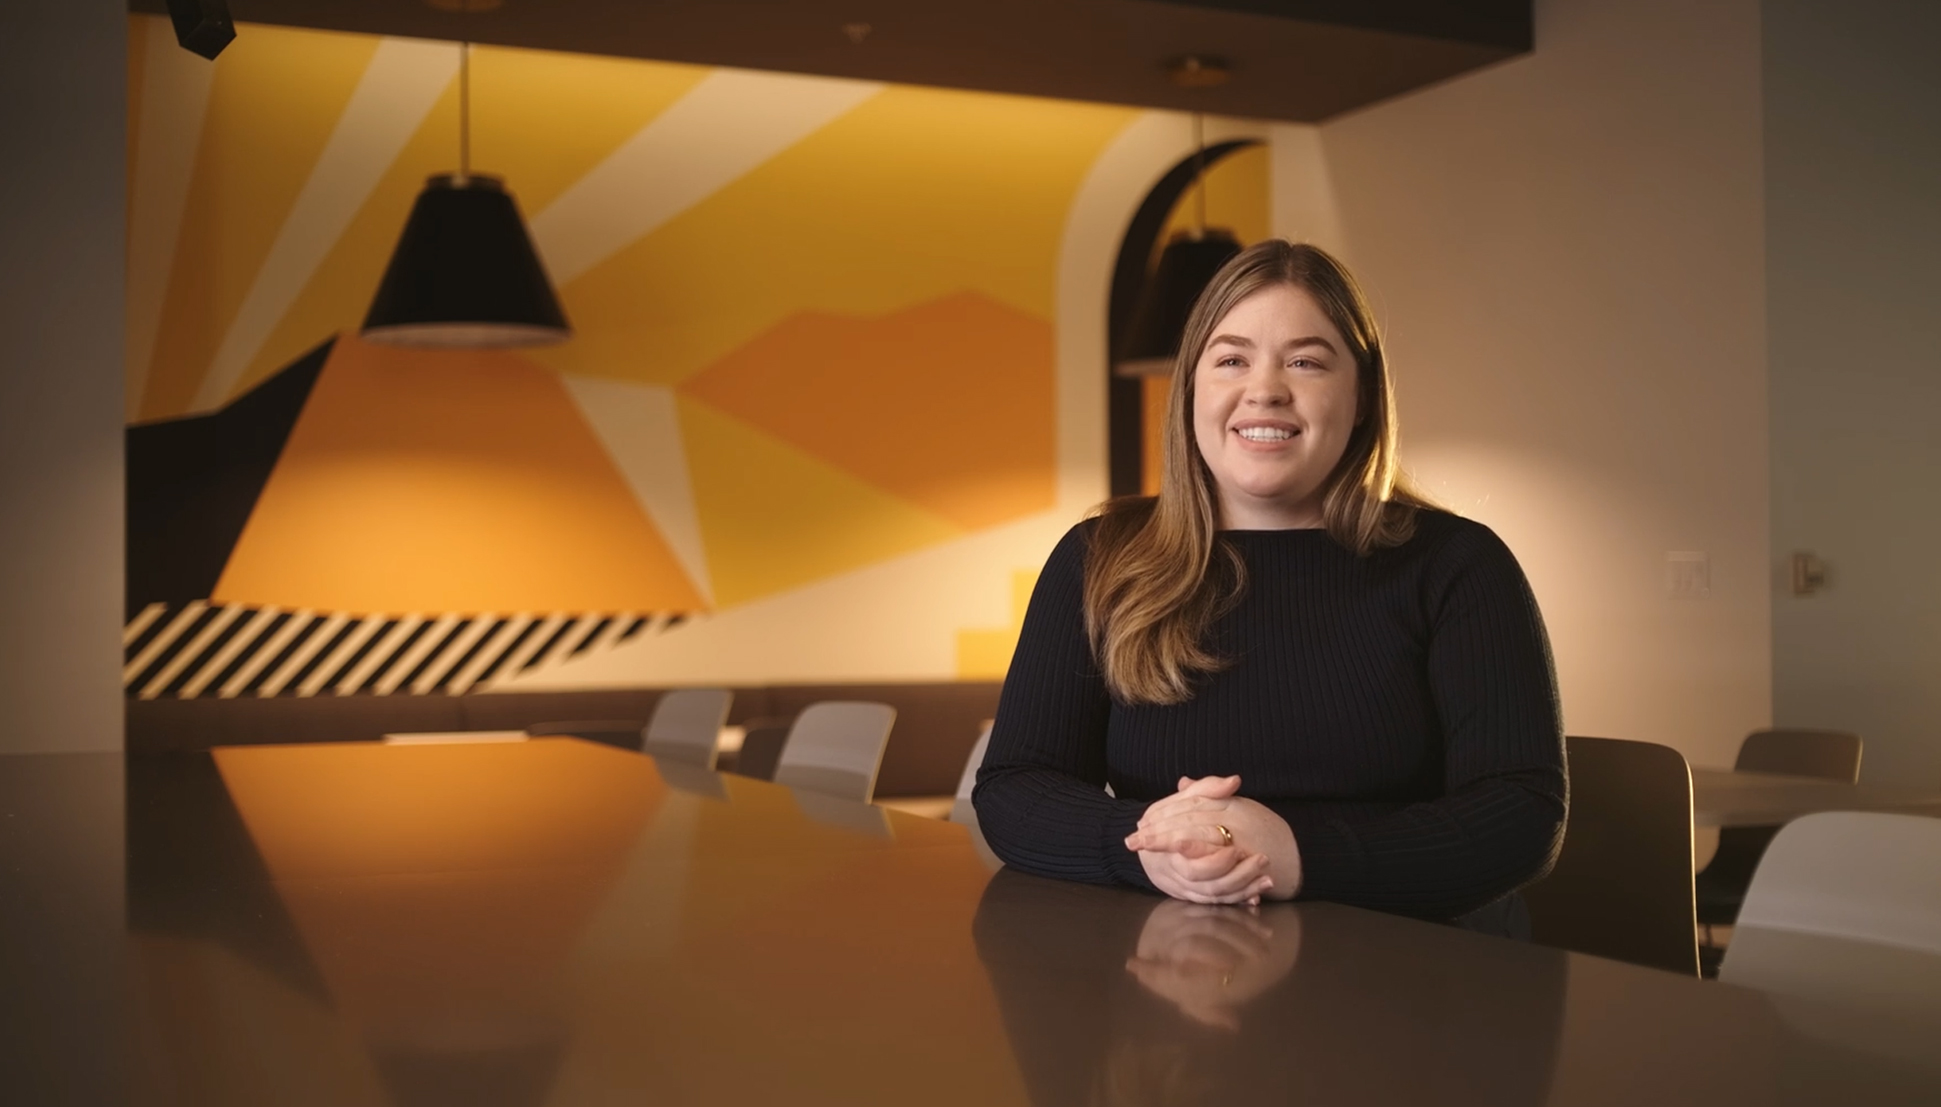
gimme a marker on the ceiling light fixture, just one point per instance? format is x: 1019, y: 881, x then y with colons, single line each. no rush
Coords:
x: 464, y: 273
x: 1199, y: 71
x: 1150, y: 344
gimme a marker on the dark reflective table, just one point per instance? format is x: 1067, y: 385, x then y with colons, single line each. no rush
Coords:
x: 556, y: 922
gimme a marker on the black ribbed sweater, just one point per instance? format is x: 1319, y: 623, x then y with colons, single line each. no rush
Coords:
x: 1399, y: 711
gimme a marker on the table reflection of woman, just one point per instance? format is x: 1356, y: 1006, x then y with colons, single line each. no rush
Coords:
x: 1113, y: 999
x: 1294, y: 677
x: 1209, y: 961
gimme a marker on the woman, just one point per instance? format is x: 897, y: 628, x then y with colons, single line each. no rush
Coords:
x: 1284, y: 675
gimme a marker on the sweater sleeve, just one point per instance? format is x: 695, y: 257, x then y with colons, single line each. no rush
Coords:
x: 1499, y: 821
x: 1040, y: 797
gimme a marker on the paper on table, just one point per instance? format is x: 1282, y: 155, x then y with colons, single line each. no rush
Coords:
x: 453, y: 737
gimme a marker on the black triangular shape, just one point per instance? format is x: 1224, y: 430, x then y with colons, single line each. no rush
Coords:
x: 193, y: 482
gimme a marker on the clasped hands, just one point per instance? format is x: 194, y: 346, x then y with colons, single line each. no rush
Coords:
x: 1207, y: 844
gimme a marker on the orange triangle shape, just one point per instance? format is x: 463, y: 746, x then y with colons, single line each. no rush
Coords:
x: 950, y: 405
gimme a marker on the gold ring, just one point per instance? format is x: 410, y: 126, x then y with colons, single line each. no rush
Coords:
x: 1226, y: 836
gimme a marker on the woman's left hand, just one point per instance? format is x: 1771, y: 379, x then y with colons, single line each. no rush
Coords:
x: 1188, y: 823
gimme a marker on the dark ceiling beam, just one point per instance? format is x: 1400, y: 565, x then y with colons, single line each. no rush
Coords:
x: 1297, y: 60
x: 1504, y: 23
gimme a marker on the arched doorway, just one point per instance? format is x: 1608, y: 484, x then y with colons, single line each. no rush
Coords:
x: 1126, y: 397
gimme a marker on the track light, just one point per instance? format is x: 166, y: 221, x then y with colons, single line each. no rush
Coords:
x: 202, y: 26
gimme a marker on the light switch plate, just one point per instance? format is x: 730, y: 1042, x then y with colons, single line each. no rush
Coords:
x: 1688, y: 573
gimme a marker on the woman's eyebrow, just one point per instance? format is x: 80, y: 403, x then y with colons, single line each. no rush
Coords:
x: 1313, y: 340
x: 1231, y: 340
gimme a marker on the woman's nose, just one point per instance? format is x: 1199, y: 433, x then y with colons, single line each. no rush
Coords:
x: 1267, y: 389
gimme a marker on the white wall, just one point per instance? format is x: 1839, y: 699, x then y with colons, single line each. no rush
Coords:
x: 1566, y: 251
x: 1853, y: 189
x: 63, y: 73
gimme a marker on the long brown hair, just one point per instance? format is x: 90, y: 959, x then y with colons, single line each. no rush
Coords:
x: 1157, y: 576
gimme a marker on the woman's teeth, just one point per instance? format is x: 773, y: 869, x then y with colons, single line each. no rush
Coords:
x: 1265, y: 434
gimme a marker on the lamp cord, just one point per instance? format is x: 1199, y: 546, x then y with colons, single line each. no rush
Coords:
x: 1199, y: 173
x: 464, y: 112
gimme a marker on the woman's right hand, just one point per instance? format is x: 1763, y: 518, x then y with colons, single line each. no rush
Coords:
x: 1198, y: 873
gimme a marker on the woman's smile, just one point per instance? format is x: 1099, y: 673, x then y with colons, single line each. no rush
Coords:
x: 1263, y: 433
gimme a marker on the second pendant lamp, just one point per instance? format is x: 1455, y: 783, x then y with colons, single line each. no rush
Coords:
x: 464, y: 273
x: 1150, y: 344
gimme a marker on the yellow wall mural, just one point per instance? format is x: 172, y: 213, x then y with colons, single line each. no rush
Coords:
x: 837, y: 362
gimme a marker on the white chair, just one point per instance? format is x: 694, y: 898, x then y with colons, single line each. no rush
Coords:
x: 835, y: 748
x: 961, y: 810
x: 1845, y: 907
x: 686, y: 726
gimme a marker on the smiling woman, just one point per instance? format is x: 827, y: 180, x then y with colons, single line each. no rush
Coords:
x: 1296, y: 677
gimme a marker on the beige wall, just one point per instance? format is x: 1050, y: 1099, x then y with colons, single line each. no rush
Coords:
x: 1566, y: 250
x: 63, y: 69
x: 1853, y: 186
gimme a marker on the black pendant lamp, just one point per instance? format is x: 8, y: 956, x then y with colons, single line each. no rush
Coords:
x: 1150, y: 344
x: 465, y: 274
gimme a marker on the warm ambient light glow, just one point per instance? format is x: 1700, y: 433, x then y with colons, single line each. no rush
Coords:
x: 460, y: 480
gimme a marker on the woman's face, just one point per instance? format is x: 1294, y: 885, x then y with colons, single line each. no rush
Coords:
x: 1274, y: 402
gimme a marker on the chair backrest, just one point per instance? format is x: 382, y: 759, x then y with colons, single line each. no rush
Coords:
x: 1622, y: 885
x: 1852, y: 874
x: 1845, y: 905
x: 961, y: 810
x: 1829, y: 754
x: 687, y: 725
x: 836, y: 747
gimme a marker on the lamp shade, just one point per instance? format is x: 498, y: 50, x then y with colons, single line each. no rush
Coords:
x: 1151, y: 340
x: 464, y: 274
